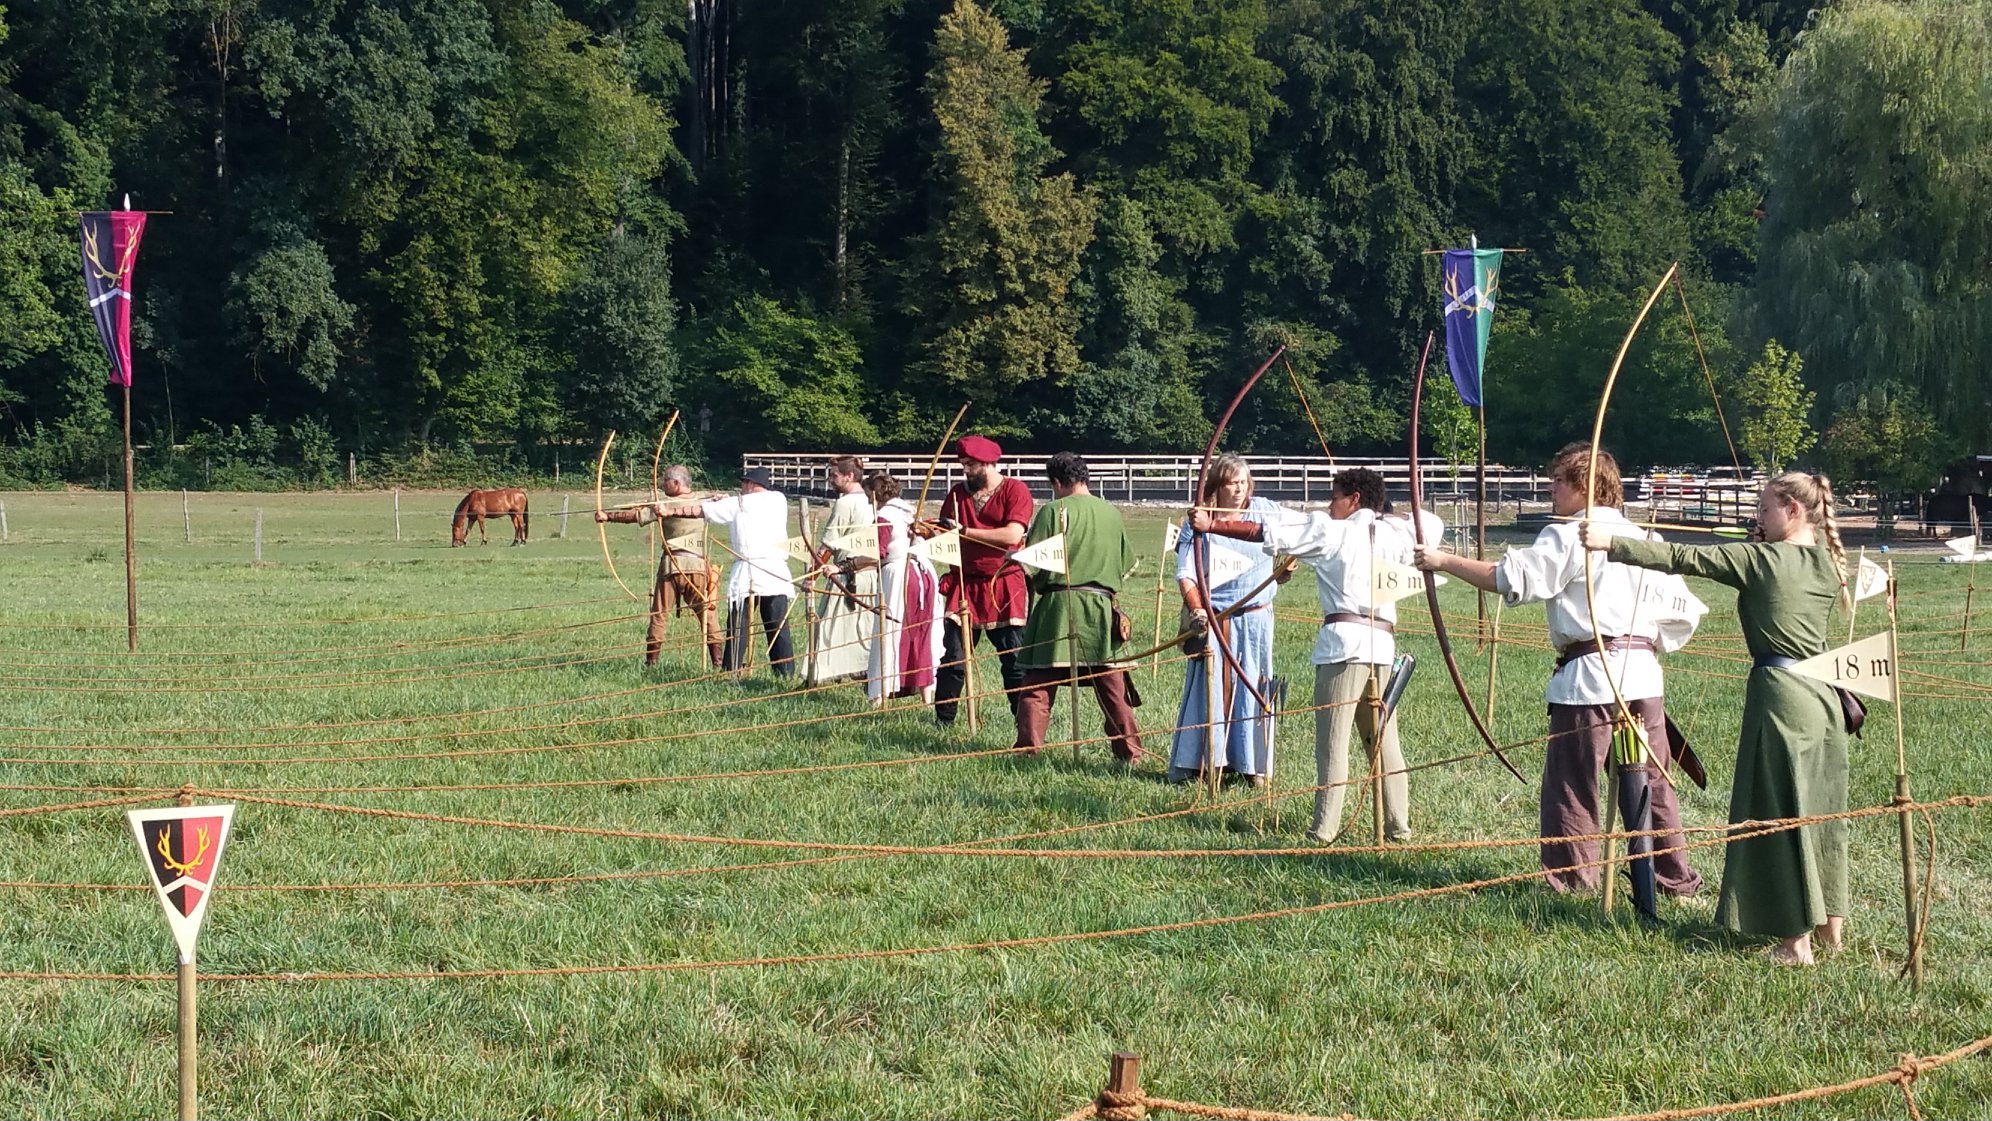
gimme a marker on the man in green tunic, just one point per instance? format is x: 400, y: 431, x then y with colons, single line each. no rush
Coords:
x: 1069, y: 634
x: 1791, y: 760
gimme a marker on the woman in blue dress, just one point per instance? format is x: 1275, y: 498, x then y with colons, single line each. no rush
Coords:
x: 1239, y: 739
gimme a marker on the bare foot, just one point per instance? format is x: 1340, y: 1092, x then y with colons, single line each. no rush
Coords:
x: 1827, y: 934
x: 1796, y: 950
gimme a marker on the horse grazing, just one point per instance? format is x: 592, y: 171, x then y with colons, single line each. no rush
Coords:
x: 481, y: 504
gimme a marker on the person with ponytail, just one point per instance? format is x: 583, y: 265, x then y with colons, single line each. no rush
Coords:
x: 1791, y: 759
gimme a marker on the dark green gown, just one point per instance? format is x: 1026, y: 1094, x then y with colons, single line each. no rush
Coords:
x: 1791, y: 759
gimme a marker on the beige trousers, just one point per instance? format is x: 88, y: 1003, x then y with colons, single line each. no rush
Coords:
x: 1341, y: 685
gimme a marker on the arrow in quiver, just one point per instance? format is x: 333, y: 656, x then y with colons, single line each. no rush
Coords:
x: 1635, y: 801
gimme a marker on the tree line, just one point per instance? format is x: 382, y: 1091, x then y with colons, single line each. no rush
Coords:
x: 412, y: 227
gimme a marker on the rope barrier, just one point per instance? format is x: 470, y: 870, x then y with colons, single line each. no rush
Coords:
x: 1133, y: 1104
x: 349, y: 621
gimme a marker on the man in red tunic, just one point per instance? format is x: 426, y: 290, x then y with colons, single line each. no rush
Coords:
x: 991, y: 512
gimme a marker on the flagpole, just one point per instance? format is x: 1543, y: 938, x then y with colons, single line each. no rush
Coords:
x: 131, y: 558
x: 1480, y: 507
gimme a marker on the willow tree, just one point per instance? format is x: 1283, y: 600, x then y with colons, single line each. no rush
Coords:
x: 1875, y: 252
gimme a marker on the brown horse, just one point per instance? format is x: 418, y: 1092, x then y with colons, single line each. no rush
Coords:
x: 481, y: 504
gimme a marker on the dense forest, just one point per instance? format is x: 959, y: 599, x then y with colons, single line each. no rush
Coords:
x: 414, y: 227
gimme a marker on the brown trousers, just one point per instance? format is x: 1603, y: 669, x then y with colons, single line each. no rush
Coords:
x: 1109, y: 689
x: 1579, y: 737
x: 676, y: 591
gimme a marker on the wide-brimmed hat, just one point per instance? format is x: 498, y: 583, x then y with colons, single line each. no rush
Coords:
x: 982, y: 449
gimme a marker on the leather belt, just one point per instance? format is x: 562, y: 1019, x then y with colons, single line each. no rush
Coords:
x: 1612, y: 643
x: 1773, y: 661
x: 1384, y: 625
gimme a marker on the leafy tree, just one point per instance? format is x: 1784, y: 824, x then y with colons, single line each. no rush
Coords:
x: 1883, y: 437
x: 617, y: 326
x: 773, y: 376
x: 1451, y: 425
x: 1875, y: 253
x: 1002, y: 254
x: 1773, y: 403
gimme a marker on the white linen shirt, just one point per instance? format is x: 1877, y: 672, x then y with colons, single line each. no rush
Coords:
x: 1339, y: 552
x: 759, y: 525
x: 1631, y: 601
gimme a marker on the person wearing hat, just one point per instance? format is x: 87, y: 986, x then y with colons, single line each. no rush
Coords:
x: 683, y: 577
x: 758, y: 520
x: 991, y: 513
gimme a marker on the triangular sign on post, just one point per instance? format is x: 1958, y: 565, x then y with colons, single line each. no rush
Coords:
x: 1047, y: 555
x: 182, y: 850
x: 1668, y: 599
x: 861, y: 542
x: 944, y: 548
x: 1390, y: 582
x: 1862, y: 667
x: 1869, y: 580
x: 690, y: 543
x: 1227, y: 565
x: 1963, y: 546
x: 798, y: 550
x: 1170, y: 531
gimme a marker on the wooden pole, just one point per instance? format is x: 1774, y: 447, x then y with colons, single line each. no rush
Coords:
x: 130, y: 554
x: 3, y: 523
x: 563, y: 516
x: 1607, y: 851
x: 1071, y: 629
x: 808, y: 594
x: 1854, y: 605
x: 1480, y: 518
x: 189, y: 1058
x: 397, y: 513
x: 1161, y: 574
x: 1970, y: 575
x: 1493, y: 655
x: 1124, y: 1075
x: 1902, y: 799
x: 258, y: 542
x: 1373, y: 701
x: 968, y: 664
x: 1213, y: 699
x: 186, y: 519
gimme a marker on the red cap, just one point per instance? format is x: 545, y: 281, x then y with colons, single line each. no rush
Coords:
x: 982, y: 449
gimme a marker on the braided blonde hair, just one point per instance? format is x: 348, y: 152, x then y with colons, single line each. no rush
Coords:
x: 1814, y: 495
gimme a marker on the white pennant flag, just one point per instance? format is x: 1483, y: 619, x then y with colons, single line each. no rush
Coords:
x: 1226, y: 566
x: 1963, y: 546
x: 798, y: 550
x: 692, y: 542
x: 1862, y: 667
x: 944, y: 548
x: 860, y: 542
x: 1170, y: 532
x: 1667, y: 599
x: 1390, y: 582
x: 1047, y: 555
x: 1870, y: 579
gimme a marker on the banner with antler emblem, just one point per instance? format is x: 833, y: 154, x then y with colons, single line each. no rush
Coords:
x: 109, y: 243
x: 182, y: 849
x: 1471, y: 280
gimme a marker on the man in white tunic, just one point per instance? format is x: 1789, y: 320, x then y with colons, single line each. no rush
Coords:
x: 1640, y: 612
x: 1357, y: 642
x: 759, y: 579
x: 847, y: 605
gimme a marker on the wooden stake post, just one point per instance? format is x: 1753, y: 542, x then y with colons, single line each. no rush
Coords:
x: 182, y: 847
x: 131, y: 557
x: 1915, y: 961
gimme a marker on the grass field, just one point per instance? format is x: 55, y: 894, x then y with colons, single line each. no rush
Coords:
x: 354, y: 670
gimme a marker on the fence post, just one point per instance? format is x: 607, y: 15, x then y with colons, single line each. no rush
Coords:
x: 352, y: 468
x: 397, y: 513
x: 3, y: 523
x: 259, y: 535
x: 563, y: 512
x: 186, y: 519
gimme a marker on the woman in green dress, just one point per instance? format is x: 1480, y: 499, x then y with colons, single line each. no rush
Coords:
x: 1791, y: 760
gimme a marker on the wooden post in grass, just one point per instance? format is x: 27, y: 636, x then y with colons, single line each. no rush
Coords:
x: 1915, y: 963
x: 397, y: 513
x: 1493, y: 655
x: 3, y: 523
x: 968, y: 664
x: 1970, y: 576
x: 188, y: 994
x: 1123, y: 1079
x: 563, y: 517
x: 186, y: 519
x: 259, y: 535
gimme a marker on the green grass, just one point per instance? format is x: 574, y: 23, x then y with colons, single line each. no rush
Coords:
x: 1507, y: 1001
